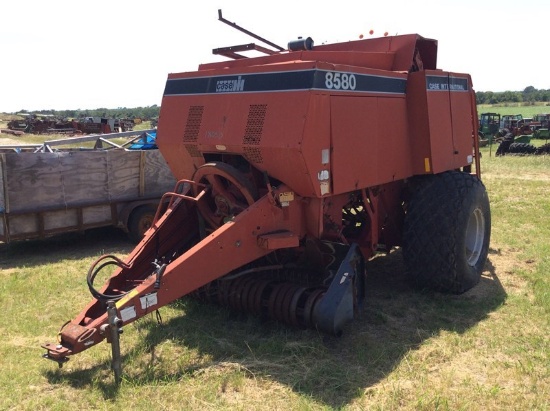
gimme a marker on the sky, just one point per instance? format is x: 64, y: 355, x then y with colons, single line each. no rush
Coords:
x: 60, y: 54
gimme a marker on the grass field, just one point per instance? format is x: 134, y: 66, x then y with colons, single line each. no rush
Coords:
x: 527, y: 111
x: 487, y: 349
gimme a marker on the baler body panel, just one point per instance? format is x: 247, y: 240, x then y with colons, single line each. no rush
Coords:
x: 441, y: 121
x: 364, y: 132
x: 299, y: 114
x: 267, y: 129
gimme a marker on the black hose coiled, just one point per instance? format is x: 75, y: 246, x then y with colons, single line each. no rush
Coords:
x: 95, y: 269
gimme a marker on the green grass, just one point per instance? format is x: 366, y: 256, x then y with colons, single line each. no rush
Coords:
x: 526, y: 110
x: 487, y: 349
x: 521, y: 187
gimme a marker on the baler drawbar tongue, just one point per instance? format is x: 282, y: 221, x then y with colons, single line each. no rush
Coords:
x: 174, y: 259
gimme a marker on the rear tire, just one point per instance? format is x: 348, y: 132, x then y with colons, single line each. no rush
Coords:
x: 447, y: 231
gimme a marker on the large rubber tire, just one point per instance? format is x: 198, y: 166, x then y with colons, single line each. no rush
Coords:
x: 545, y: 149
x: 447, y: 231
x: 504, y: 145
x: 522, y: 148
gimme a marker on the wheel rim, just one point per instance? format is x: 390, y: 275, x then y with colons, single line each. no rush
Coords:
x: 475, y: 236
x: 229, y: 193
x: 145, y: 224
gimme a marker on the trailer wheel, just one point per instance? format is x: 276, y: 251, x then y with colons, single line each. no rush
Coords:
x: 230, y: 192
x: 140, y: 221
x: 446, y: 232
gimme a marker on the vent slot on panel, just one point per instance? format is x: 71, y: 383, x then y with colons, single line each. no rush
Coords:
x: 253, y: 133
x: 255, y: 124
x: 193, y: 125
x: 253, y: 154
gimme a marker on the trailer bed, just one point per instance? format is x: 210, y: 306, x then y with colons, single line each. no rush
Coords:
x: 46, y: 193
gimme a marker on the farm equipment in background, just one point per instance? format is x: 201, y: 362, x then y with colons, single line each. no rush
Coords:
x: 32, y: 123
x: 516, y: 124
x: 42, y: 124
x: 49, y: 124
x: 510, y: 145
x: 510, y: 121
x: 489, y: 124
x: 101, y: 125
x: 541, y: 123
x: 517, y: 140
x: 17, y: 125
x: 290, y: 179
x: 542, y: 120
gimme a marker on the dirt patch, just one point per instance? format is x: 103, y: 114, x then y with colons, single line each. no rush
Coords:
x: 501, y: 266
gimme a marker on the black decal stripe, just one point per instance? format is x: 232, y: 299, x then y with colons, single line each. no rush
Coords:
x: 283, y: 81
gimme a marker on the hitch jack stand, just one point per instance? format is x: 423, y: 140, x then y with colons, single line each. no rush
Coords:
x: 114, y: 339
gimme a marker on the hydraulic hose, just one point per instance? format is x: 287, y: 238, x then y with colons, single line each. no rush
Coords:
x: 95, y: 269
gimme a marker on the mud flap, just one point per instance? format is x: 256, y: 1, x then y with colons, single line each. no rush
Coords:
x: 344, y: 296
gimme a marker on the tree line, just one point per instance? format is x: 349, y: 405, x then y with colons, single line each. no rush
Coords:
x: 528, y: 95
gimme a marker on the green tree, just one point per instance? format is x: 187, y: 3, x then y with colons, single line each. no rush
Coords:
x: 529, y: 94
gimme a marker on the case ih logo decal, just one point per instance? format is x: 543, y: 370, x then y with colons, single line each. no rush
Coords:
x: 446, y: 83
x: 287, y: 81
x: 224, y: 86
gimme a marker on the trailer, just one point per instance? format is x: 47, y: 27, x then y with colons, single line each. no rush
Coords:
x: 46, y: 190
